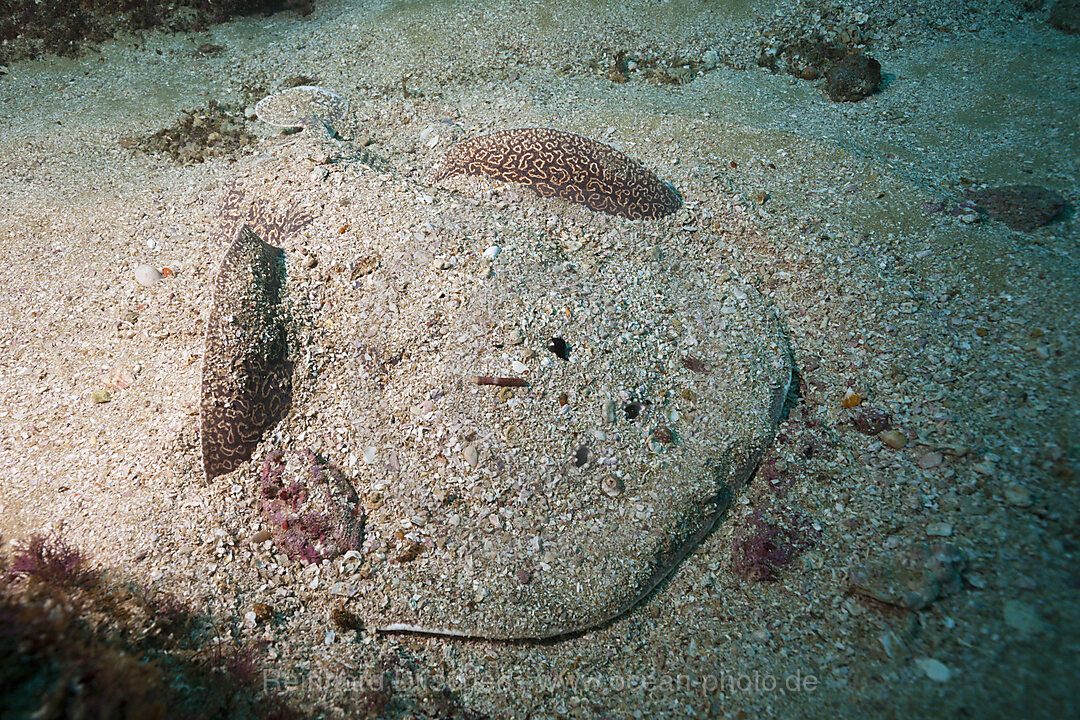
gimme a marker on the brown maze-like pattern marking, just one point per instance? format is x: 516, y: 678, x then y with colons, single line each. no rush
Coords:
x: 247, y: 379
x: 573, y: 167
x: 270, y: 225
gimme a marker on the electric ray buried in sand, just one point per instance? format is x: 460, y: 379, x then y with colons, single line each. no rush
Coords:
x: 247, y: 378
x: 301, y: 106
x: 530, y: 509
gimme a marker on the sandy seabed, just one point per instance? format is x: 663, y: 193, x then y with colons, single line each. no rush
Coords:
x: 836, y: 215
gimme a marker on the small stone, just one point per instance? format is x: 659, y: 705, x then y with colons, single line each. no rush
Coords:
x: 853, y: 78
x: 411, y: 551
x: 893, y: 644
x: 492, y: 252
x: 663, y: 435
x: 516, y: 337
x: 519, y: 367
x: 523, y: 576
x: 851, y: 399
x: 939, y: 529
x: 1018, y: 496
x: 611, y: 485
x: 1023, y: 617
x: 930, y: 460
x: 608, y: 410
x: 147, y: 275
x: 1065, y: 16
x: 262, y: 612
x: 346, y: 620
x: 934, y: 669
x: 854, y: 607
x: 261, y: 537
x: 710, y: 59
x: 471, y: 455
x: 871, y: 422
x: 894, y: 439
x: 101, y: 396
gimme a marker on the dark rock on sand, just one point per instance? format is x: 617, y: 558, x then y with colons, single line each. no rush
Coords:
x: 1065, y: 16
x: 853, y: 78
x: 811, y: 57
x: 1021, y: 207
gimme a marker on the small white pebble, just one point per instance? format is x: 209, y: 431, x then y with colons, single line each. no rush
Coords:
x: 471, y: 455
x: 934, y: 669
x: 608, y: 410
x: 147, y: 275
x: 1018, y: 496
x: 939, y: 529
x: 492, y: 252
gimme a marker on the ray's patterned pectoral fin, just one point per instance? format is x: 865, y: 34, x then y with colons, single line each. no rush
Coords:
x: 247, y: 377
x: 272, y: 225
x: 573, y: 167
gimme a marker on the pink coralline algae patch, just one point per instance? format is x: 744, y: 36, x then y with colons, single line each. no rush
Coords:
x: 313, y: 510
x: 1021, y: 207
x: 768, y: 546
x: 50, y: 559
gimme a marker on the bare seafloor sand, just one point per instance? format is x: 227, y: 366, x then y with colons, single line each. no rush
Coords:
x: 964, y: 333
